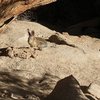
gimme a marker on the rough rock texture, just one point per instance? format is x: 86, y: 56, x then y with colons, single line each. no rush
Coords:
x: 58, y: 59
x: 11, y: 8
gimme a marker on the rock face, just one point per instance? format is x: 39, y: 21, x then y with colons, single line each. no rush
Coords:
x: 11, y: 8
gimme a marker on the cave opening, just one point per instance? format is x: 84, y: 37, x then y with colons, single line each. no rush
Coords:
x: 75, y: 17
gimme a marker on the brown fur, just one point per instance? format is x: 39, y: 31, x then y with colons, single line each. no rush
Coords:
x: 36, y: 42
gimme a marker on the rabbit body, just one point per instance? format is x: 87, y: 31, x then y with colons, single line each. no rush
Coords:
x: 36, y: 42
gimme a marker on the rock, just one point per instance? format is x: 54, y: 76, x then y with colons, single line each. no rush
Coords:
x: 21, y: 52
x: 11, y: 8
x: 67, y: 89
x: 94, y: 89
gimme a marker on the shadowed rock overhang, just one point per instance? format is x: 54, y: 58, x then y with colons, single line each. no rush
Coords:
x: 11, y: 8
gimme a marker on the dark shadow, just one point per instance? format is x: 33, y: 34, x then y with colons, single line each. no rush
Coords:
x: 10, y: 78
x: 55, y: 39
x: 88, y: 31
x: 67, y: 89
x: 14, y: 84
x: 10, y: 83
x: 40, y: 88
x: 64, y: 13
x: 44, y: 83
x: 89, y: 27
x: 7, y: 21
x: 3, y: 52
x: 84, y: 88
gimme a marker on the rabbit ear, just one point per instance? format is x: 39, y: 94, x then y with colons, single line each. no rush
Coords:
x: 29, y: 32
x: 32, y: 33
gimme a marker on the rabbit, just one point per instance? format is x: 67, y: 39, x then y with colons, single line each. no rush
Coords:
x: 36, y: 42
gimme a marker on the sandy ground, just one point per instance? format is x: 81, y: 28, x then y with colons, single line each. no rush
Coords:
x: 57, y: 59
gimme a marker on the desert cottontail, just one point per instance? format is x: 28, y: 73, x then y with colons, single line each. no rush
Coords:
x: 36, y: 42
